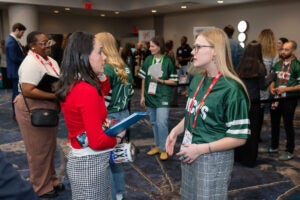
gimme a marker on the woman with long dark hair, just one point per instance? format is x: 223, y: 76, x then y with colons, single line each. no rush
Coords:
x: 252, y: 71
x: 81, y: 90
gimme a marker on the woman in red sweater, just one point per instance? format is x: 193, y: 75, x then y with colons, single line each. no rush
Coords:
x: 81, y: 90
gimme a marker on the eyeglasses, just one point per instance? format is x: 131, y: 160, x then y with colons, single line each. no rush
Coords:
x: 45, y: 43
x: 197, y: 47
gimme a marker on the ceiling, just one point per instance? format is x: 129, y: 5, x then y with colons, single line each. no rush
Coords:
x: 126, y: 8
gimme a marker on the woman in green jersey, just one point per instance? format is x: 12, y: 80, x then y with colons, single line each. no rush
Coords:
x: 158, y: 75
x: 117, y: 100
x: 216, y: 120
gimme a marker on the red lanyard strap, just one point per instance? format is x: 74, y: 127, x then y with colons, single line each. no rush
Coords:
x: 48, y: 61
x: 203, y: 98
x: 285, y: 74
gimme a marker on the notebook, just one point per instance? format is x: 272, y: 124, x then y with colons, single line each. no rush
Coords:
x: 46, y: 82
x: 126, y: 123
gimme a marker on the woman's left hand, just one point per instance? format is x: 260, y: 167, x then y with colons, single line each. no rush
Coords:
x: 190, y: 153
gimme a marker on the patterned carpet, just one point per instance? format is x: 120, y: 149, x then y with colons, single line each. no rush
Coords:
x: 149, y: 178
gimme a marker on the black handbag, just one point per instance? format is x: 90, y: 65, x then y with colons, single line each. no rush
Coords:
x: 42, y: 117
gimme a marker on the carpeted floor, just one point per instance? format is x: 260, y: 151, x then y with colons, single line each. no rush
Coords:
x: 150, y: 178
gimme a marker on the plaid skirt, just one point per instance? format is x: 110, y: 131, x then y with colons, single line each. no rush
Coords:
x: 89, y: 176
x: 208, y: 177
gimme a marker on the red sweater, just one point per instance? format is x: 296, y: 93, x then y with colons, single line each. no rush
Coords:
x: 84, y: 110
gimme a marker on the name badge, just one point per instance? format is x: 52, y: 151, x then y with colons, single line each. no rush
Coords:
x: 187, y: 139
x: 152, y: 88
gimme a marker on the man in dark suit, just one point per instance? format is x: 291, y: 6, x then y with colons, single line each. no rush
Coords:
x: 12, y: 186
x: 15, y: 54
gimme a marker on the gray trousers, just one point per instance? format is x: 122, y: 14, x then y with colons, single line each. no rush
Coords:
x: 208, y: 177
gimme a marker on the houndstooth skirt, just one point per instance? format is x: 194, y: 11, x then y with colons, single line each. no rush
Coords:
x: 89, y: 176
x: 208, y: 177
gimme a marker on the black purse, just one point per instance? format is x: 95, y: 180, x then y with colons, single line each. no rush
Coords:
x: 42, y: 117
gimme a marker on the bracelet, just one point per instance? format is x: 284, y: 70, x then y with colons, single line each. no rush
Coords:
x: 209, y: 149
x: 163, y: 81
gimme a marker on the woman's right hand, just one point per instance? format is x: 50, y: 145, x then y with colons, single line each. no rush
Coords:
x: 170, y: 142
x: 142, y: 102
x: 120, y: 136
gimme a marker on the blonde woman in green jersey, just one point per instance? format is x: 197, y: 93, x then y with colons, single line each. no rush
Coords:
x: 216, y: 120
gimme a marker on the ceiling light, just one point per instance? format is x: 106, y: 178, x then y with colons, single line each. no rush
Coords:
x: 153, y: 11
x: 117, y: 12
x: 184, y: 7
x: 220, y: 1
x: 67, y: 9
x: 56, y: 11
x: 102, y: 15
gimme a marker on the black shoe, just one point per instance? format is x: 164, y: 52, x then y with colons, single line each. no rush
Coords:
x: 51, y: 194
x: 60, y: 187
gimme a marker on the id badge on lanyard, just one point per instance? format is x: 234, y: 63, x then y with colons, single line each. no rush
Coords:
x: 187, y: 139
x: 152, y: 87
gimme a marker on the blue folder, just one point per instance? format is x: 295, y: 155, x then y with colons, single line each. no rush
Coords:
x: 126, y: 123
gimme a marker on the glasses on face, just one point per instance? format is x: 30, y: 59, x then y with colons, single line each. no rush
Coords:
x: 45, y: 43
x: 197, y: 47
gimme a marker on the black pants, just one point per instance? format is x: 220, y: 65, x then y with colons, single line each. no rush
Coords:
x: 286, y: 109
x: 247, y: 154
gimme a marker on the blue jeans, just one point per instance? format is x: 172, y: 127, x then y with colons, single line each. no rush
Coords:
x: 117, y: 172
x: 159, y: 121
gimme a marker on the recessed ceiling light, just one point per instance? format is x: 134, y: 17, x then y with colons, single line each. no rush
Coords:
x: 220, y: 1
x: 67, y: 9
x: 102, y: 15
x: 153, y: 11
x: 56, y: 11
x: 183, y: 6
x: 117, y: 12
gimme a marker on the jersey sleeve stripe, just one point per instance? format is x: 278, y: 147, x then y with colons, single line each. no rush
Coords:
x: 238, y: 122
x: 238, y: 131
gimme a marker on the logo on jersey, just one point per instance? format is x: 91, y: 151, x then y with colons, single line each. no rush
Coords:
x: 192, y: 109
x: 283, y: 75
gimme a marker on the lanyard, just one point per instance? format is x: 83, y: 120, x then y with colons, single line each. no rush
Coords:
x: 161, y: 60
x: 48, y: 61
x: 203, y: 98
x: 285, y: 74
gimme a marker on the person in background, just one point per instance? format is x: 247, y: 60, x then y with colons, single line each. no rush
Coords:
x: 117, y: 100
x: 170, y: 53
x: 56, y: 49
x: 127, y: 55
x: 183, y: 56
x: 3, y: 76
x: 279, y: 45
x: 286, y: 86
x: 15, y: 54
x: 251, y: 71
x: 236, y: 49
x: 270, y: 56
x: 81, y: 90
x: 156, y: 93
x: 215, y: 122
x: 40, y: 142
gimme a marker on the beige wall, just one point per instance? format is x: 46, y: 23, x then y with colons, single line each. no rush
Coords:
x: 281, y: 16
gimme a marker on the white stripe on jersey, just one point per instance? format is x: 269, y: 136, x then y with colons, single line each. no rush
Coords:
x: 239, y: 131
x: 238, y: 122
